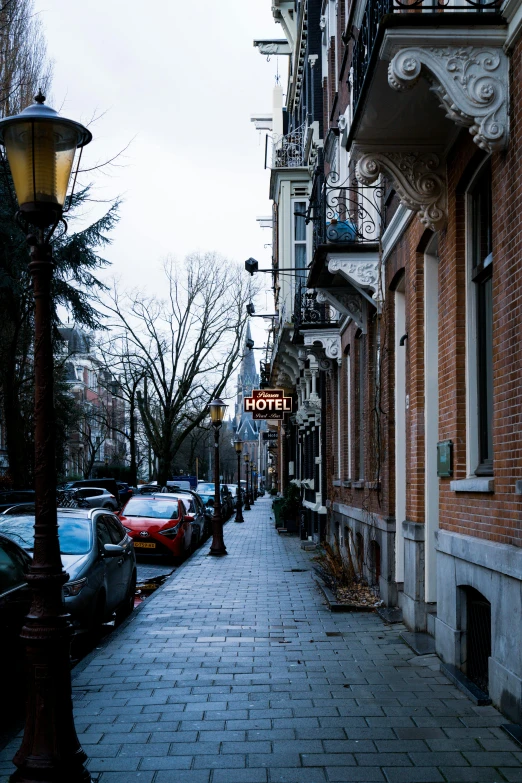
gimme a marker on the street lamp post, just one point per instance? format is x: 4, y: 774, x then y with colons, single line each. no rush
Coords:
x: 252, y: 495
x: 217, y: 412
x: 238, y: 445
x: 40, y: 147
x: 247, y: 494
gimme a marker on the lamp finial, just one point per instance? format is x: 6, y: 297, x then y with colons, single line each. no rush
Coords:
x: 40, y: 98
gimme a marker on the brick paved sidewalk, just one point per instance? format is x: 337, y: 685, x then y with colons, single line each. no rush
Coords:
x: 235, y: 672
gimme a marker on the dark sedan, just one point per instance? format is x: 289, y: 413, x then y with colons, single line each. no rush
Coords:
x: 98, y: 556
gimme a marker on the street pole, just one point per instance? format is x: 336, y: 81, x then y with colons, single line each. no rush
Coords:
x: 36, y: 140
x: 247, y: 494
x: 252, y: 497
x: 217, y: 549
x: 50, y: 749
x: 239, y: 512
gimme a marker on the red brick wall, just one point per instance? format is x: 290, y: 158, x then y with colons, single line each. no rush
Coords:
x: 496, y: 517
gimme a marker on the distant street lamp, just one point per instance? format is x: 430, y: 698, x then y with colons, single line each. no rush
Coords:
x: 40, y: 147
x: 252, y: 494
x: 238, y: 445
x: 247, y: 495
x: 217, y: 410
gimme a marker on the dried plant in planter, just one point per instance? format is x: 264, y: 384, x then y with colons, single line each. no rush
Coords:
x: 342, y: 578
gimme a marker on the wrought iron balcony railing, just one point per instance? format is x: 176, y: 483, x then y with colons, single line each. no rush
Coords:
x: 344, y: 213
x: 308, y: 312
x: 289, y: 150
x: 368, y: 40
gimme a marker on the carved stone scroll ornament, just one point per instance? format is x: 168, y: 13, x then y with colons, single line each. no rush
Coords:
x: 419, y: 178
x: 470, y: 82
x: 330, y: 341
x: 347, y: 303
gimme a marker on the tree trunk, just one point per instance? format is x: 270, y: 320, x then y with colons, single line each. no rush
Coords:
x: 133, y: 473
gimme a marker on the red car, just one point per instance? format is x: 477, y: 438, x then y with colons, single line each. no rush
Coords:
x: 158, y: 526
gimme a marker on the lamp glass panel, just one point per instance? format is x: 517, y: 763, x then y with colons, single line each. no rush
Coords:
x: 217, y: 412
x: 238, y: 445
x: 41, y: 156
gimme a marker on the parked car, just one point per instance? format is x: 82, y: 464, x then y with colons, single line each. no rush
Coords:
x: 97, y: 554
x: 15, y: 598
x: 158, y: 525
x: 206, y: 490
x: 19, y: 508
x: 15, y: 601
x: 147, y: 489
x: 97, y: 497
x: 195, y: 512
x: 125, y: 492
x: 108, y: 484
x: 10, y: 497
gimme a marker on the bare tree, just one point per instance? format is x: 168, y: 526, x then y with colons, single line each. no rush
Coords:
x: 24, y: 68
x: 188, y: 346
x: 90, y: 434
x: 126, y: 373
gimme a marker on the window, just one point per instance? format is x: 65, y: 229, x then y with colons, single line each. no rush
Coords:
x: 299, y: 209
x: 349, y: 415
x: 116, y: 531
x: 102, y: 533
x: 480, y: 324
x: 376, y: 403
x: 338, y: 434
x: 361, y: 371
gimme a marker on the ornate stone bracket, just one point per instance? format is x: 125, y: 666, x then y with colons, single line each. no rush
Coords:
x: 471, y: 83
x: 346, y: 301
x: 328, y: 339
x: 419, y: 178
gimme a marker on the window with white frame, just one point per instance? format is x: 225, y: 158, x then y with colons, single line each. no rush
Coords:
x: 349, y: 415
x: 300, y: 260
x: 479, y: 322
x: 339, y: 431
x: 360, y: 390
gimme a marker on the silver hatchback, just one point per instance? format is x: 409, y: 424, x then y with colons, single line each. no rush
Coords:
x: 97, y: 554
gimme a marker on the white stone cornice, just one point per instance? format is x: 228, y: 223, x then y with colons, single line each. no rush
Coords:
x: 346, y: 301
x: 328, y: 339
x: 419, y: 179
x: 471, y: 83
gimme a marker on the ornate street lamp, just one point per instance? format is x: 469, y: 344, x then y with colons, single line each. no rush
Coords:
x: 217, y: 410
x: 40, y: 147
x: 247, y: 494
x: 238, y: 445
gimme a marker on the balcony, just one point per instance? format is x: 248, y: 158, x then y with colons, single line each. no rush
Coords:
x: 347, y: 221
x: 344, y: 213
x: 382, y: 14
x: 309, y: 313
x: 422, y: 70
x: 288, y: 151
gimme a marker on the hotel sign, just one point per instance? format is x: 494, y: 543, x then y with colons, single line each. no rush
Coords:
x: 268, y: 404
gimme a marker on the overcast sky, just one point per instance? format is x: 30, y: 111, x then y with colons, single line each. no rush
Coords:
x: 180, y: 80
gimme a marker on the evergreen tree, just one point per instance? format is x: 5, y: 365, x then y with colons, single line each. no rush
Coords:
x: 77, y: 260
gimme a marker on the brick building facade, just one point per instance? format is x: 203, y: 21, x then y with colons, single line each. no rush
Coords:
x: 401, y: 340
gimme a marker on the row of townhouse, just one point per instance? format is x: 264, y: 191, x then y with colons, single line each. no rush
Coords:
x: 397, y: 254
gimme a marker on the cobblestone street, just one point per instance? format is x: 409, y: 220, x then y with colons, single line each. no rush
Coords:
x: 236, y: 672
